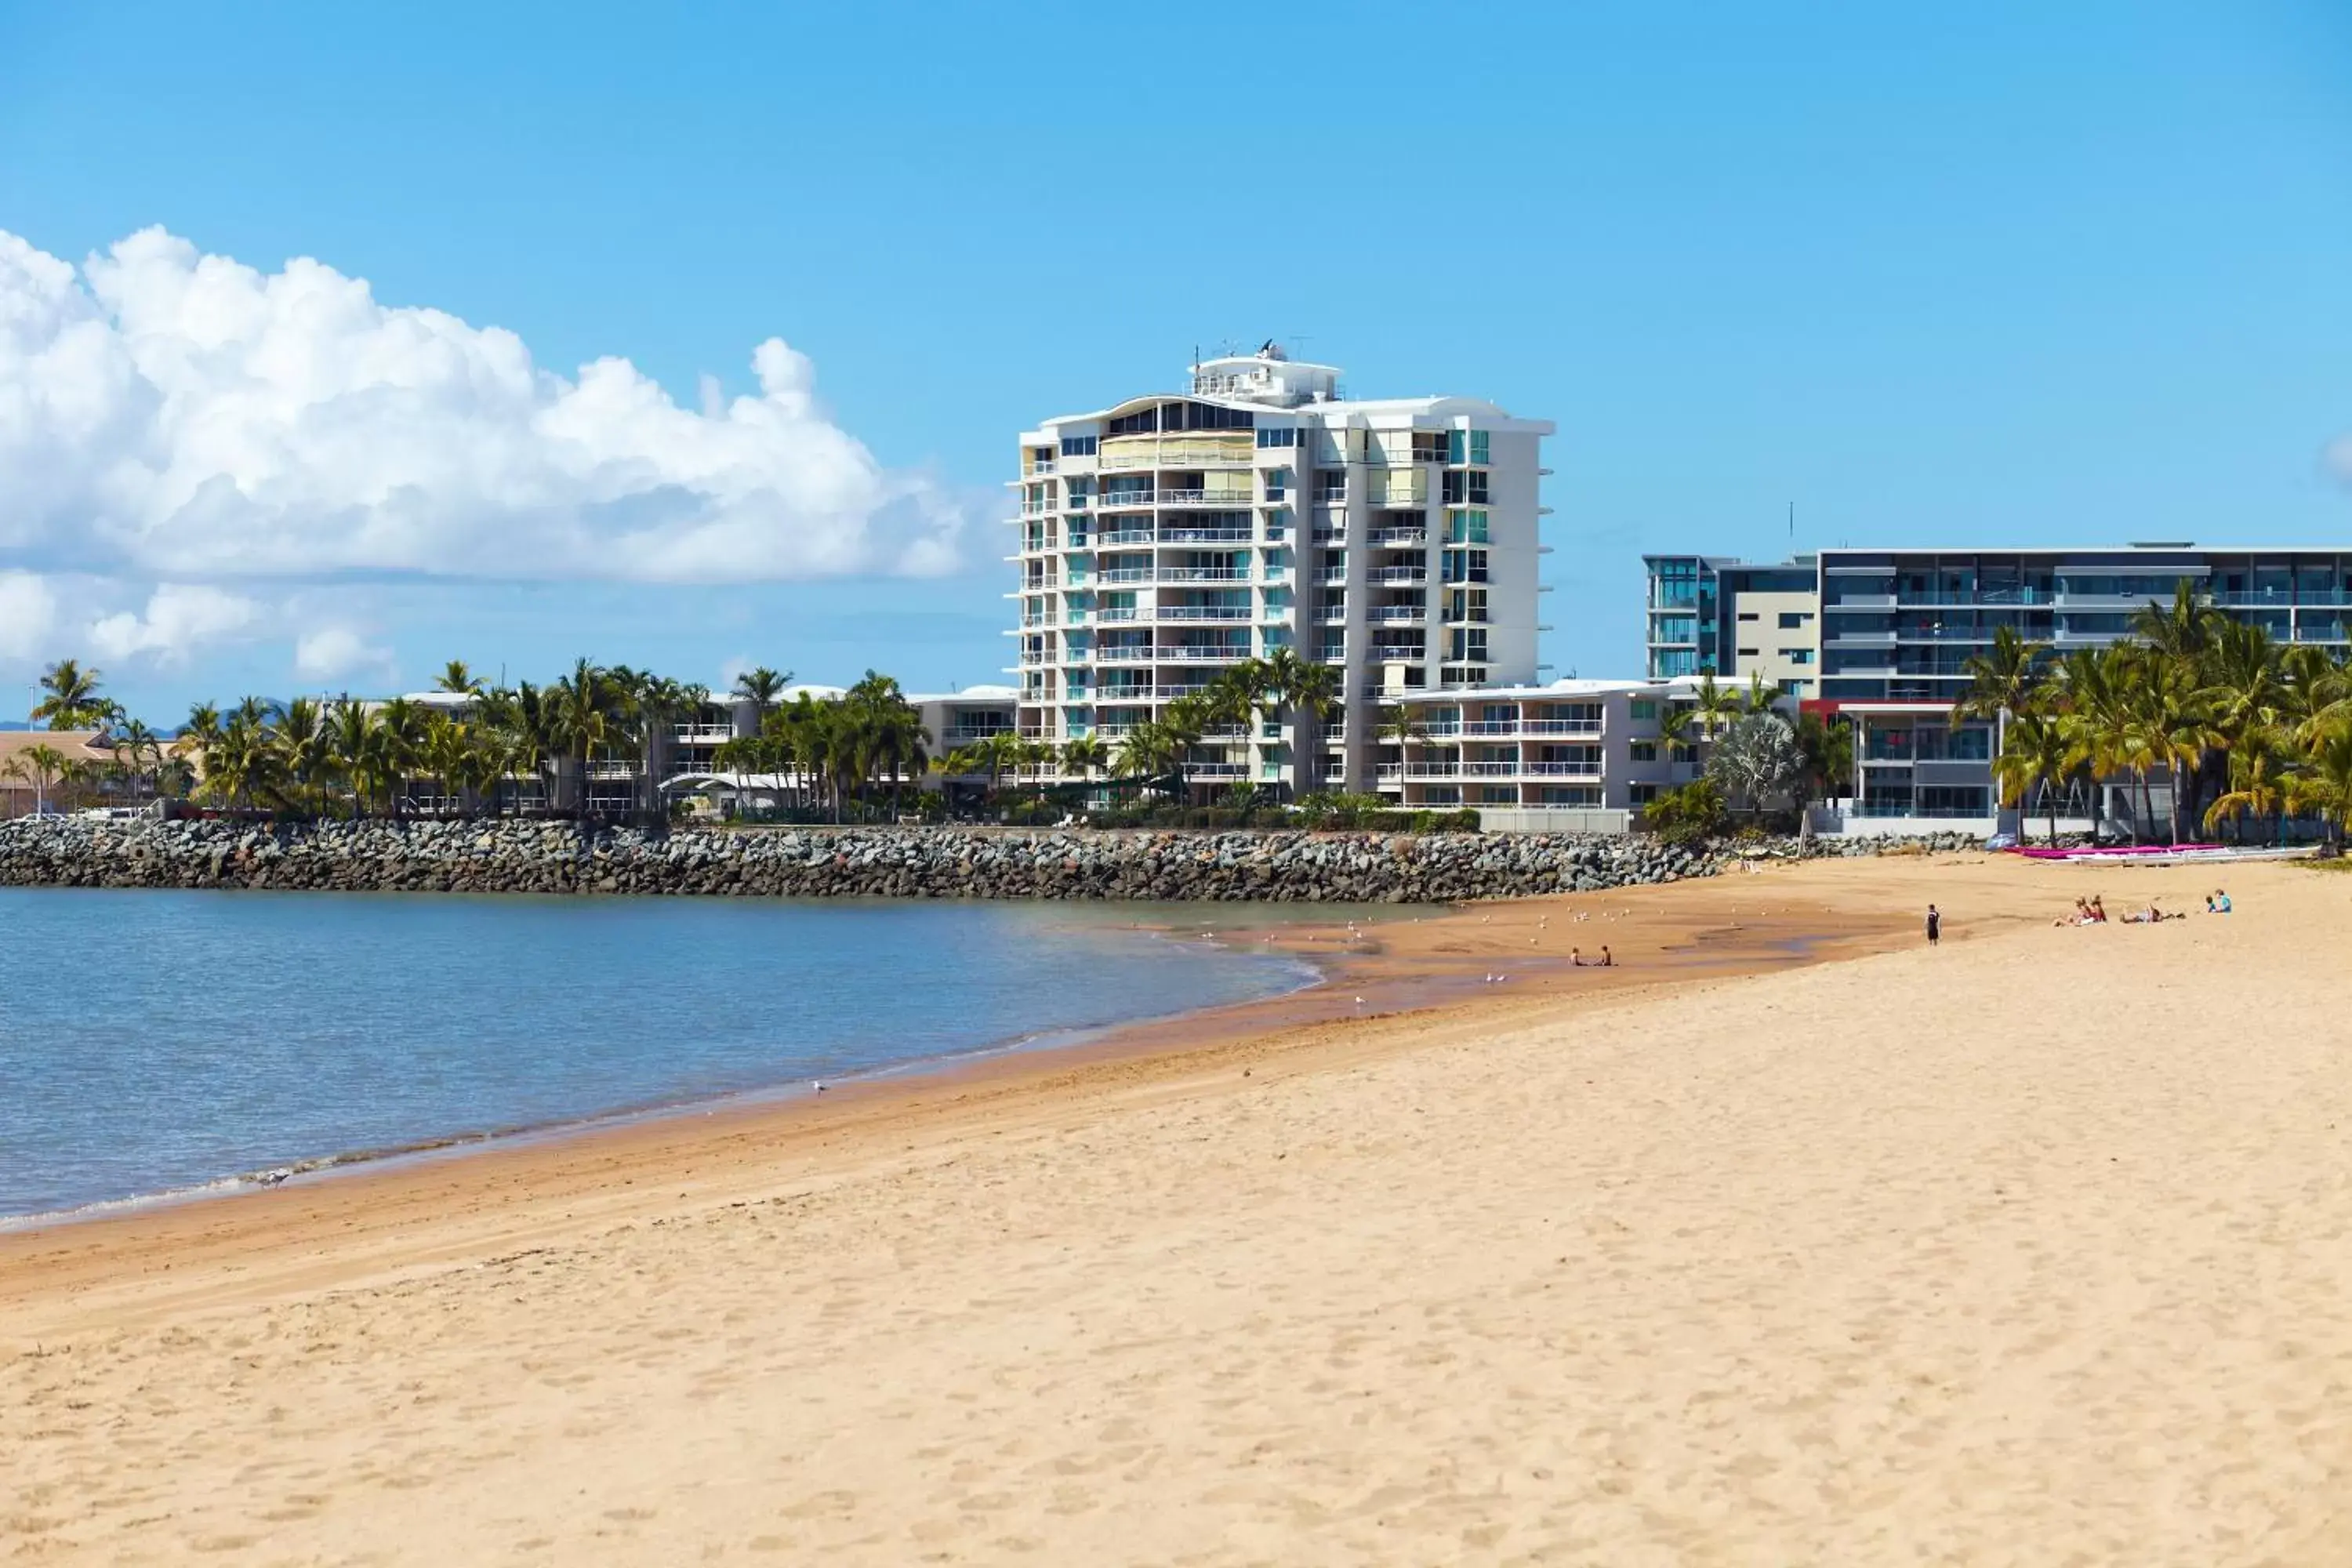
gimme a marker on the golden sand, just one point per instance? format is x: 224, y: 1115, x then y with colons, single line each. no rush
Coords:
x: 2030, y: 1250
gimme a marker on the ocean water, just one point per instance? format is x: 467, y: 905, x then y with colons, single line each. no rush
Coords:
x: 159, y: 1042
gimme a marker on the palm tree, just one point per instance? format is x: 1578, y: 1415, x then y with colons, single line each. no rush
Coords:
x: 1827, y: 748
x: 350, y: 730
x: 73, y: 701
x: 761, y: 687
x: 1716, y: 707
x: 1310, y: 691
x: 2255, y: 785
x: 41, y: 766
x: 1084, y: 755
x: 583, y: 704
x: 2324, y: 786
x: 2038, y: 751
x: 456, y: 677
x: 306, y: 746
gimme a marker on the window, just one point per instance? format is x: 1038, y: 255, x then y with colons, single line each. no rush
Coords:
x: 1465, y: 604
x: 1464, y: 566
x: 1796, y: 689
x: 1465, y: 528
x: 1465, y: 447
x: 1643, y: 751
x: 1790, y: 620
x: 1137, y: 423
x: 1467, y: 643
x: 1798, y: 655
x: 1433, y: 446
x: 1285, y: 436
x: 1747, y: 614
x: 1644, y: 707
x: 1469, y: 485
x: 1674, y: 629
x: 1747, y: 652
x: 1078, y: 446
x: 1642, y: 795
x: 1278, y: 483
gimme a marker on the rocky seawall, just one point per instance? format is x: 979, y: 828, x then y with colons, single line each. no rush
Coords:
x: 902, y: 863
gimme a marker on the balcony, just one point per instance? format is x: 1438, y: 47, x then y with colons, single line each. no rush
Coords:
x: 1560, y: 770
x: 1123, y: 655
x: 1404, y: 574
x: 1127, y: 574
x: 1117, y: 500
x: 1204, y: 613
x: 1180, y: 534
x: 701, y: 734
x: 1225, y: 655
x: 1397, y: 614
x: 1204, y: 574
x: 1229, y: 500
x: 1587, y: 728
x: 1431, y: 770
x: 1400, y: 538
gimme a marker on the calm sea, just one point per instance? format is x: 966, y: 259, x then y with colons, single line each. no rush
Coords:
x: 155, y: 1042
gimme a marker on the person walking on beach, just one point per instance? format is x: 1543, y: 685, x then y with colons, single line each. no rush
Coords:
x: 1935, y: 925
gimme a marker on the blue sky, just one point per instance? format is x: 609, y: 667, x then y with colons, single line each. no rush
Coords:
x: 1984, y: 274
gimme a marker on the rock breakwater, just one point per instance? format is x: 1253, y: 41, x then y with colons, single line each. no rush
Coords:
x: 904, y: 863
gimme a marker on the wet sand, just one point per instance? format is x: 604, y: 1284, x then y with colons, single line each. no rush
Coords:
x: 1784, y: 1240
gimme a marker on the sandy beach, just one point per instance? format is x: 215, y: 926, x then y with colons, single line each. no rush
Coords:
x: 1788, y: 1240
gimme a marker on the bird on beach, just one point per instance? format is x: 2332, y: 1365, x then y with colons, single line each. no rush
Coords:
x: 818, y: 1086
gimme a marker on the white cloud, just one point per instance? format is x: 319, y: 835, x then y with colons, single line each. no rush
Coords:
x: 331, y: 652
x: 165, y: 413
x: 28, y: 609
x: 180, y: 619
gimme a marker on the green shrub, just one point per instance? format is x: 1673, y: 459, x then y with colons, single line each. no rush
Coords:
x: 1686, y: 815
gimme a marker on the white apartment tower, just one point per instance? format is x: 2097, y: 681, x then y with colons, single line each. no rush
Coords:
x: 1168, y: 537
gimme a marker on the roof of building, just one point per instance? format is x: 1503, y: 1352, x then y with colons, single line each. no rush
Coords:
x: 78, y: 745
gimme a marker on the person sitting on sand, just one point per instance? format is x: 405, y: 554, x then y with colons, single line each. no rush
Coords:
x: 1606, y: 961
x: 2081, y: 916
x: 2221, y: 903
x: 2098, y: 909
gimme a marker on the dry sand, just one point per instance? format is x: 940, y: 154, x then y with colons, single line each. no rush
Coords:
x: 2032, y: 1250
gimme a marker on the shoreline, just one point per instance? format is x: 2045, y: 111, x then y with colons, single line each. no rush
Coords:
x: 1430, y: 971
x: 350, y: 1163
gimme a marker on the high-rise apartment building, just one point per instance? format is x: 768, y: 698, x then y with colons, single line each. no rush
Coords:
x: 1167, y: 537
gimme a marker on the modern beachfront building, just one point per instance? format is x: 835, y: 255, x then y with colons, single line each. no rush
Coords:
x: 1897, y: 627
x: 1165, y: 537
x: 1739, y: 621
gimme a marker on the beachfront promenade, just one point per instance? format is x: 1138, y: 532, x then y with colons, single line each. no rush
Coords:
x: 2030, y: 1248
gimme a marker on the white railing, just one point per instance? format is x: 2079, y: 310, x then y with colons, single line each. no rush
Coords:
x: 1178, y: 535
x: 1123, y: 655
x: 1206, y: 655
x: 1204, y: 574
x: 1398, y: 574
x: 1396, y: 615
x: 1127, y: 574
x: 1125, y: 536
x: 1399, y: 536
x: 1561, y: 769
x: 1114, y: 500
x: 1120, y: 613
x: 702, y: 735
x: 1432, y: 771
x: 1203, y: 612
x: 1585, y: 727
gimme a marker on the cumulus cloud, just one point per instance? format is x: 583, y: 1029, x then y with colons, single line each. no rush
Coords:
x: 169, y: 414
x: 28, y: 611
x: 178, y: 618
x: 330, y: 653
